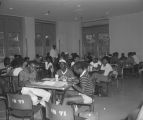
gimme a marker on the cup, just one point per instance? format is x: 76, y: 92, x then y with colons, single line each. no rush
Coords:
x: 56, y: 77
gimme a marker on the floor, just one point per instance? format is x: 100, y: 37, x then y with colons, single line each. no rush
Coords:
x: 121, y: 101
x: 118, y: 104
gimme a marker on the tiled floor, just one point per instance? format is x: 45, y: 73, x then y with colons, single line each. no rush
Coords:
x: 120, y: 102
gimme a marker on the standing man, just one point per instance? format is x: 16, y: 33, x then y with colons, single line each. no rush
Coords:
x: 54, y: 53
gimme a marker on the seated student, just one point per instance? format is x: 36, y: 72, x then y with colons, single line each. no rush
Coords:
x: 64, y: 73
x: 102, y: 75
x: 49, y: 66
x: 4, y: 72
x: 85, y: 88
x: 105, y: 69
x: 6, y: 69
x: 27, y: 76
x: 75, y: 59
x: 114, y: 58
x: 18, y: 66
x: 130, y: 60
x: 95, y: 64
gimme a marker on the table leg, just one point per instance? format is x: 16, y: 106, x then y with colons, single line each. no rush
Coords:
x: 54, y: 96
x: 63, y: 96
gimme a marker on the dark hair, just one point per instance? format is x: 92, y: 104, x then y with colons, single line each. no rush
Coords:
x: 17, y: 62
x: 26, y: 59
x: 32, y: 62
x: 6, y: 61
x: 105, y: 58
x: 81, y: 65
x: 49, y: 58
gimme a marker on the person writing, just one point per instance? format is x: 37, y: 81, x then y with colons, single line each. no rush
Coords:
x: 85, y: 89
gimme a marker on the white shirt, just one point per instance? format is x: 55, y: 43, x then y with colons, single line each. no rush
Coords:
x: 16, y: 71
x: 53, y: 53
x: 136, y: 59
x: 107, y: 69
x: 83, y: 73
x: 95, y: 65
x: 72, y: 63
x: 48, y: 65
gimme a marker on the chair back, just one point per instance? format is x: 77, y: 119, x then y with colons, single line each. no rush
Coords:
x: 19, y: 102
x: 60, y: 112
x: 140, y: 114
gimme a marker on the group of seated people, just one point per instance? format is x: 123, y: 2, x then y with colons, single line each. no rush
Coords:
x: 77, y: 71
x: 70, y: 70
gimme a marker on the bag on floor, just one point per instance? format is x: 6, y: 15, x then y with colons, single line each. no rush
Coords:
x: 59, y: 112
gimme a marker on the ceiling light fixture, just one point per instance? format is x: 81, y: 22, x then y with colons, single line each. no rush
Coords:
x: 10, y: 8
x: 78, y: 5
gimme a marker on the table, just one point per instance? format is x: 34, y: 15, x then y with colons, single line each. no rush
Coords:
x: 52, y: 87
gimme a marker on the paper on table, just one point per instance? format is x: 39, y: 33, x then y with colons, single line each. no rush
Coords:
x: 48, y: 79
x: 51, y: 83
x: 60, y: 84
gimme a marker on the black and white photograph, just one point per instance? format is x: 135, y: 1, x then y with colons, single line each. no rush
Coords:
x: 71, y: 59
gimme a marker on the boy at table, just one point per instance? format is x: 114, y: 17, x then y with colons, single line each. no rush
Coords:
x: 85, y: 89
x: 104, y: 71
x: 64, y: 73
x: 27, y: 76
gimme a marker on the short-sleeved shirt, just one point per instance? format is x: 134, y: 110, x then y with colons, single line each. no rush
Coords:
x: 67, y: 74
x: 26, y: 77
x: 16, y: 71
x: 86, y: 84
x: 53, y: 53
x: 107, y: 69
x: 95, y: 65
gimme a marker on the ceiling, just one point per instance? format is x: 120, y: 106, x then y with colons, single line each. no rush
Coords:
x: 70, y: 10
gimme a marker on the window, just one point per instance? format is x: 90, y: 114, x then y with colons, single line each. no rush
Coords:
x: 10, y: 36
x: 45, y: 36
x: 96, y: 40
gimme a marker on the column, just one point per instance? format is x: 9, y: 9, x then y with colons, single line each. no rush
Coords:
x: 29, y: 37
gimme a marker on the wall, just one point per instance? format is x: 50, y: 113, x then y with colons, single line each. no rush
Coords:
x: 126, y: 33
x: 29, y: 37
x: 68, y: 35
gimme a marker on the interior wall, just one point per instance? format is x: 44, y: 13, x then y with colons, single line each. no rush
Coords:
x: 68, y: 35
x: 126, y: 33
x: 29, y: 37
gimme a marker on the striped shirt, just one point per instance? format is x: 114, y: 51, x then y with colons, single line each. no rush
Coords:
x: 65, y: 75
x: 86, y: 84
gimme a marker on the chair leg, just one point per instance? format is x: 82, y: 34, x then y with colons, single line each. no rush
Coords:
x: 92, y: 107
x: 7, y: 115
x: 117, y: 83
x: 107, y: 88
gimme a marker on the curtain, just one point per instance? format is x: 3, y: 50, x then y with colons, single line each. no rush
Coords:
x: 96, y: 40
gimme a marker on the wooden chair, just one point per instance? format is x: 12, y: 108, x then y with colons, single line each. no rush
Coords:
x: 3, y: 98
x: 20, y: 106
